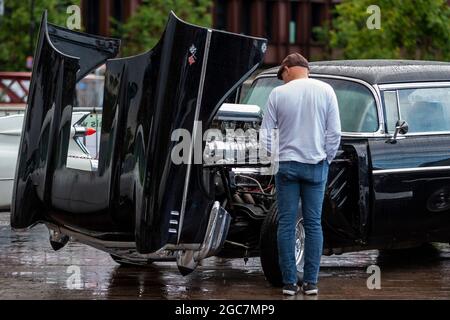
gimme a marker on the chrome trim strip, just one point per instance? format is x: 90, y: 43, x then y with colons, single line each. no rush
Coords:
x: 6, y: 179
x: 381, y: 110
x: 405, y: 170
x: 412, y: 85
x: 394, y: 195
x: 399, y: 112
x: 194, y: 130
x: 431, y: 133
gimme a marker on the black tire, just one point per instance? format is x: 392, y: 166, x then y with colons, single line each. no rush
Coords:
x: 269, y: 248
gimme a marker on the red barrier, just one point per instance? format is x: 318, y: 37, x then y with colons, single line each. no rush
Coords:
x: 14, y: 88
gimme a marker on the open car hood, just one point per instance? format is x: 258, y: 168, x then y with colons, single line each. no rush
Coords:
x: 137, y: 188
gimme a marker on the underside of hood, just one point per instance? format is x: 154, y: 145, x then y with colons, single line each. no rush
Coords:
x: 184, y: 79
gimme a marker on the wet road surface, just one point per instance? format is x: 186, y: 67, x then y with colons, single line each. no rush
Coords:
x: 30, y: 269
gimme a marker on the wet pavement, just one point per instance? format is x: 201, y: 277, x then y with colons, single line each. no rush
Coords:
x: 30, y: 269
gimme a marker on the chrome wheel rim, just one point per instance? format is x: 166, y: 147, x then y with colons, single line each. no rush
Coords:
x: 299, y: 245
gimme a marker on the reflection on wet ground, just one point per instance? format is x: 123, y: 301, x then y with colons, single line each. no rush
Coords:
x: 30, y: 269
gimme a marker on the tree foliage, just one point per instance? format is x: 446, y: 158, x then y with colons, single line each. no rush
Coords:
x: 15, y: 27
x: 417, y: 29
x: 143, y: 30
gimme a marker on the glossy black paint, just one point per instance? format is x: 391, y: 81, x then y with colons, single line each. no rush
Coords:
x: 402, y: 198
x: 346, y: 210
x: 48, y: 116
x: 131, y: 196
x: 368, y: 207
x: 391, y: 207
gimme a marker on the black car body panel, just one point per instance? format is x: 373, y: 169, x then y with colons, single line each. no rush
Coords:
x: 406, y: 177
x: 137, y: 194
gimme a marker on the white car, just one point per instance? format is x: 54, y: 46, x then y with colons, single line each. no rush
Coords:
x: 10, y: 131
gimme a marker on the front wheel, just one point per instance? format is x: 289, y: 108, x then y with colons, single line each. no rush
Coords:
x: 269, y: 247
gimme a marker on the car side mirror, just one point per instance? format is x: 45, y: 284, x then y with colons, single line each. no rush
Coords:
x: 401, y: 127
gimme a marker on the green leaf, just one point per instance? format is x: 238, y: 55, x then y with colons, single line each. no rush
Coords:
x: 417, y: 29
x: 15, y: 28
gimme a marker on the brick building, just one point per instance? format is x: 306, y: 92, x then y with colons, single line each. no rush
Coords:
x: 288, y: 24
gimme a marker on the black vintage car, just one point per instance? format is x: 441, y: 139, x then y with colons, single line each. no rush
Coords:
x: 389, y: 185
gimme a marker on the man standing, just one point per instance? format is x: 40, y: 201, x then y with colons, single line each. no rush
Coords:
x: 305, y: 112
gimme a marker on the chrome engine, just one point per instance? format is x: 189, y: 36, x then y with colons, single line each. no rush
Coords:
x: 233, y: 135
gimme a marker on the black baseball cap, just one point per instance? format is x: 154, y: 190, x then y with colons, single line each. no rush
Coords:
x: 293, y: 60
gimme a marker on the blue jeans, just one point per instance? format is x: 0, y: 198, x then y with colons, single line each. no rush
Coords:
x: 295, y: 181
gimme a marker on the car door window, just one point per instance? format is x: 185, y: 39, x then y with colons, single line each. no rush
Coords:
x: 424, y: 109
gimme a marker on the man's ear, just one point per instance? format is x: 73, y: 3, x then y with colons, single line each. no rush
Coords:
x: 286, y: 70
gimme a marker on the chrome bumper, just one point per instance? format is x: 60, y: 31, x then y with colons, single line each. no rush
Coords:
x: 216, y: 234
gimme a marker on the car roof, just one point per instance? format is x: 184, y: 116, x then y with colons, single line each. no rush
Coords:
x: 381, y: 71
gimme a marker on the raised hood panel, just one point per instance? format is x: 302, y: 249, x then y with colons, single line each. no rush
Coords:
x: 137, y: 188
